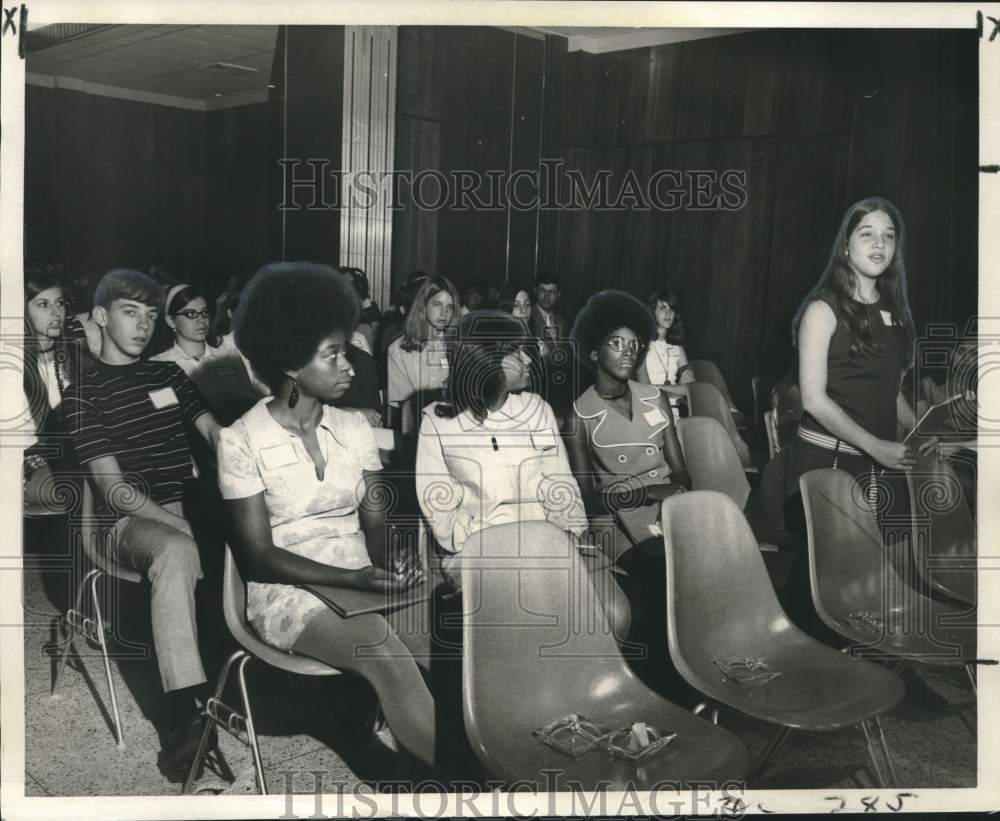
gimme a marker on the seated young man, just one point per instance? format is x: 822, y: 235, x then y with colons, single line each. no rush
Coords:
x: 128, y: 419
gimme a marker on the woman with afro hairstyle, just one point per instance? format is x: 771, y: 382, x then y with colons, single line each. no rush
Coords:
x: 622, y: 441
x: 304, y: 500
x: 624, y: 450
x: 418, y: 360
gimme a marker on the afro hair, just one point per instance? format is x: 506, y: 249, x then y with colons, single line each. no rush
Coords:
x: 286, y: 310
x: 605, y: 312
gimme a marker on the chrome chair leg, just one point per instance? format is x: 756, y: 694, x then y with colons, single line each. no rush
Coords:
x: 885, y: 752
x: 119, y: 733
x: 770, y: 751
x: 251, y: 732
x: 71, y: 633
x: 199, y: 757
x: 879, y: 776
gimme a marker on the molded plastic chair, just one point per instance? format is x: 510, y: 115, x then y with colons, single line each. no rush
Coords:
x: 706, y: 400
x: 705, y: 370
x: 240, y: 724
x: 711, y: 459
x: 537, y: 647
x: 722, y: 608
x: 944, y: 532
x: 856, y: 589
x: 96, y: 548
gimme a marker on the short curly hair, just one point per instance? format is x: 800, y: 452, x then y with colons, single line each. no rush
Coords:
x: 286, y: 310
x: 604, y: 312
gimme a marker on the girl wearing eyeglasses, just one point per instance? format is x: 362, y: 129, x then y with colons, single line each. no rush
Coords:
x: 622, y: 440
x: 214, y: 365
x: 623, y: 448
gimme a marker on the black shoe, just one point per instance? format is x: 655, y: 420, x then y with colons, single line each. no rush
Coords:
x: 180, y: 747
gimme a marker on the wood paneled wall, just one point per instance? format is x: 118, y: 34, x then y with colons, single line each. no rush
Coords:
x: 476, y: 100
x: 816, y: 120
x: 113, y: 182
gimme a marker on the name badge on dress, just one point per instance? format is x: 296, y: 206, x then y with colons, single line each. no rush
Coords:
x: 886, y: 318
x: 223, y: 371
x: 163, y: 398
x: 543, y: 439
x: 654, y: 417
x: 278, y: 456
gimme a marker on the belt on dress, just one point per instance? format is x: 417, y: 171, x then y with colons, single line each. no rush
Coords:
x: 826, y: 441
x: 838, y: 446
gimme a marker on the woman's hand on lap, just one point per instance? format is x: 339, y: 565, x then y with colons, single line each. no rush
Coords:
x: 379, y: 580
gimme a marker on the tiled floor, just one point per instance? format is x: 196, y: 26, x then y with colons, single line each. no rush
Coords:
x: 70, y: 749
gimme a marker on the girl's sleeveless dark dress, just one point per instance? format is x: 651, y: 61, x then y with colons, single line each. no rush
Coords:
x: 866, y: 388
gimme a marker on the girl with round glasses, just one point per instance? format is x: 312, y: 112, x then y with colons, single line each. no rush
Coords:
x: 623, y: 447
x: 622, y: 440
x: 213, y: 364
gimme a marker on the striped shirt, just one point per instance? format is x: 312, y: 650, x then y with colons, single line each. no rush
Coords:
x: 136, y: 413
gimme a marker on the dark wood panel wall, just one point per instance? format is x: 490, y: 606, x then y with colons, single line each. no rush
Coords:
x: 474, y: 100
x: 815, y: 120
x: 113, y: 182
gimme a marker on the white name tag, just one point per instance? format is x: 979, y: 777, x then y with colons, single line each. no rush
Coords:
x: 163, y: 398
x: 444, y: 361
x: 654, y: 417
x: 543, y: 439
x: 278, y: 456
x: 886, y: 317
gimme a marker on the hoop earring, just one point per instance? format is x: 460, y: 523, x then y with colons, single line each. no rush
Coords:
x: 293, y: 394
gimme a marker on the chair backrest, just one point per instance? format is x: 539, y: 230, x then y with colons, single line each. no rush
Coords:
x: 720, y: 601
x: 771, y: 429
x: 848, y: 563
x: 705, y: 370
x: 536, y: 639
x: 944, y: 532
x: 234, y: 609
x: 711, y: 459
x: 706, y: 400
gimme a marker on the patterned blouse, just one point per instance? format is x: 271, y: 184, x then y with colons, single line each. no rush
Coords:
x: 315, y: 518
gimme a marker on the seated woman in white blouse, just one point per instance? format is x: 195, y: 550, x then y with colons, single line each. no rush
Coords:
x: 213, y: 364
x: 491, y: 453
x: 300, y: 480
x: 666, y: 361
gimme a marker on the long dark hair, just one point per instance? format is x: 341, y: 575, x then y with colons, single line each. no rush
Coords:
x: 35, y: 389
x: 476, y: 379
x: 838, y: 280
x: 675, y: 333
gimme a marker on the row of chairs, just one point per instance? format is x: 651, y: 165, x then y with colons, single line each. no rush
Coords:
x: 835, y: 515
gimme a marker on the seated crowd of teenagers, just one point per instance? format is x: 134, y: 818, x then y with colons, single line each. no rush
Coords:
x: 280, y: 386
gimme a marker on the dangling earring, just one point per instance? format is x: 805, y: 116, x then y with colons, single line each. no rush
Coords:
x: 293, y: 394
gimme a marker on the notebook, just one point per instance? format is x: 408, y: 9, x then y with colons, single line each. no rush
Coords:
x: 346, y: 602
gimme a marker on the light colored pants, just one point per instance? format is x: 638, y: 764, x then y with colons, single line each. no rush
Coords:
x: 169, y: 558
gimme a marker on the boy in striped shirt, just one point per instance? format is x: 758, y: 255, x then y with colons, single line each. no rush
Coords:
x: 128, y: 418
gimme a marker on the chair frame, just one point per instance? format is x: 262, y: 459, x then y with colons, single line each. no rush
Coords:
x: 95, y: 629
